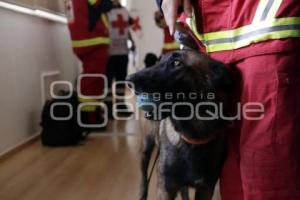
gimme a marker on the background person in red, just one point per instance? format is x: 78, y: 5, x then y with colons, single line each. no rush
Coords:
x: 260, y: 40
x: 88, y: 27
x: 169, y: 43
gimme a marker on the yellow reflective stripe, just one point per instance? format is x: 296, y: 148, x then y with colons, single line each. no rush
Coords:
x: 266, y: 9
x: 250, y: 28
x: 90, y: 42
x: 274, y: 9
x: 105, y: 20
x: 264, y: 30
x: 255, y: 39
x: 92, y: 2
x: 264, y: 27
x: 260, y: 9
x: 83, y: 100
x: 88, y: 108
x: 170, y: 46
x: 191, y: 22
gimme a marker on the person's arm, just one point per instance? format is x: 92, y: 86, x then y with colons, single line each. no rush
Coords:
x: 132, y: 48
x: 170, y: 10
x: 130, y: 38
x: 101, y: 5
x: 160, y: 20
x: 95, y: 9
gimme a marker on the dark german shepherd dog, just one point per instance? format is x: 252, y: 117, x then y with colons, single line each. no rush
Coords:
x: 192, y: 148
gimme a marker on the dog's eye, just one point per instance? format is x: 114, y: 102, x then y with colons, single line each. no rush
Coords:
x: 176, y: 63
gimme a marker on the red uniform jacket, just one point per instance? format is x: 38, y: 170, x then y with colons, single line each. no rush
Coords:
x: 223, y: 15
x: 83, y: 37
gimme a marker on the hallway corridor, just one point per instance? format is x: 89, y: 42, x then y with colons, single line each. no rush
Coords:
x: 106, y: 167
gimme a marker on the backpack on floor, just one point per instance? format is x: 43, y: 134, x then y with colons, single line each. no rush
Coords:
x: 62, y: 129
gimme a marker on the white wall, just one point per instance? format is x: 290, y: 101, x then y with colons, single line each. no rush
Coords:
x: 28, y: 47
x: 151, y: 37
x: 52, y: 5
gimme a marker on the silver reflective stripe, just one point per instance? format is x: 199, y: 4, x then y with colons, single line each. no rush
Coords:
x: 253, y: 34
x: 267, y: 10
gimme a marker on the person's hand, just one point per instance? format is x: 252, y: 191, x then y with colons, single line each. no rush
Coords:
x: 170, y: 9
x: 159, y: 19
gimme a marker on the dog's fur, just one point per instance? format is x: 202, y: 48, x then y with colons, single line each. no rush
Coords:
x: 181, y: 164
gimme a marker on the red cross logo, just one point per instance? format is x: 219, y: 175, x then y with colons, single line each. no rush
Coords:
x: 120, y: 24
x: 136, y: 24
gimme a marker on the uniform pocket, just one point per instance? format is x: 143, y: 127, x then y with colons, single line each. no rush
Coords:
x: 287, y: 110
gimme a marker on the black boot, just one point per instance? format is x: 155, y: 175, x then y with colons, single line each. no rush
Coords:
x: 122, y: 110
x: 93, y: 118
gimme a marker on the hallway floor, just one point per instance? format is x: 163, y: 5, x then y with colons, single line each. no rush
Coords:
x: 106, y: 167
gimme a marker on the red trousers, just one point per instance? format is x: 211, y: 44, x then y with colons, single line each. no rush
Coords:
x: 264, y: 155
x: 94, y: 62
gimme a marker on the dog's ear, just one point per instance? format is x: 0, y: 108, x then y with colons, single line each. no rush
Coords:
x: 222, y: 77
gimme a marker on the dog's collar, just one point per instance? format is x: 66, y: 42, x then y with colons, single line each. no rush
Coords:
x: 196, y: 141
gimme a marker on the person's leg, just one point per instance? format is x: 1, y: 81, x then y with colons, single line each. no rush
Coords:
x: 94, y: 63
x: 121, y: 73
x: 110, y: 73
x: 270, y: 147
x: 230, y: 180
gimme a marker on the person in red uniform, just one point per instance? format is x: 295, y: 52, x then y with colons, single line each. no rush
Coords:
x: 169, y: 43
x: 88, y: 27
x: 260, y: 40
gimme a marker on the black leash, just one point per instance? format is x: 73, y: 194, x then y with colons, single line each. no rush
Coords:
x: 153, y: 166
